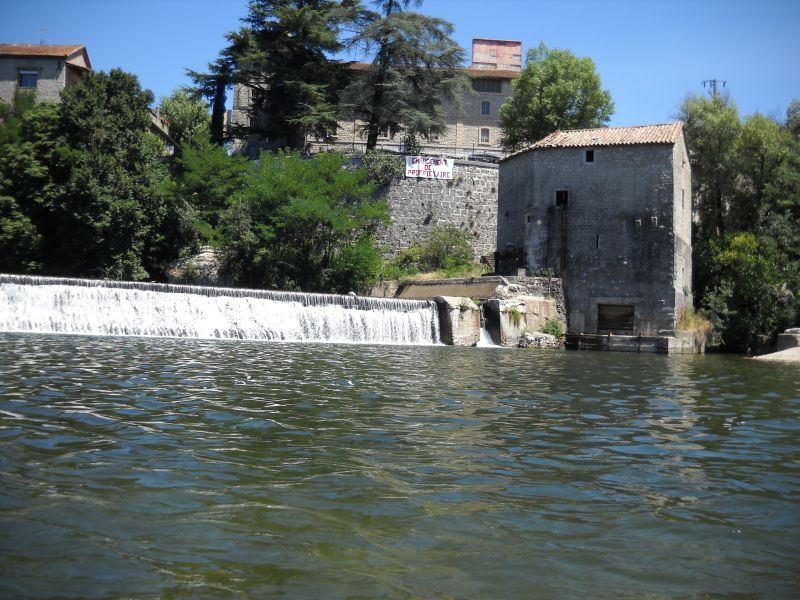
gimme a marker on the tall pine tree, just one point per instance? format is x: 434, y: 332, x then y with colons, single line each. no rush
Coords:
x: 286, y: 64
x: 416, y: 66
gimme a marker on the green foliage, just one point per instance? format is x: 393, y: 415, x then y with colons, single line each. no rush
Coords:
x: 447, y: 251
x: 188, y: 118
x: 749, y: 297
x: 746, y: 180
x: 83, y: 183
x: 11, y: 115
x: 553, y: 327
x: 446, y: 248
x: 383, y: 168
x: 556, y: 90
x: 303, y: 224
x: 416, y: 65
x: 207, y: 178
x: 282, y: 55
x: 515, y: 314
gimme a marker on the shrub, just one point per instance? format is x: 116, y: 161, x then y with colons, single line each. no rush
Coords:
x: 383, y: 168
x: 553, y: 327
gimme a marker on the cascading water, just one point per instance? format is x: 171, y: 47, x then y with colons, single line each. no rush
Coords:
x: 486, y: 340
x: 94, y: 307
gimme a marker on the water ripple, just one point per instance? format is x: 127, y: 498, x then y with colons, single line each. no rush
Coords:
x: 210, y: 468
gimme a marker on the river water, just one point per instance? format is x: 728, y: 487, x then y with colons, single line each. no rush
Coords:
x: 136, y: 467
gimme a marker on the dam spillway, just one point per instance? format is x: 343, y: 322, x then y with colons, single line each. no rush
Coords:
x: 34, y: 304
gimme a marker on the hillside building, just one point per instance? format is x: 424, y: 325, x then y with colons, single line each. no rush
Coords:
x: 44, y: 69
x: 473, y: 128
x: 609, y: 211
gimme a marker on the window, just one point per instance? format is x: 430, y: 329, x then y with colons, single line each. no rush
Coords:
x: 562, y: 197
x: 28, y: 79
x: 486, y: 107
x: 589, y: 156
x: 484, y: 135
x: 493, y: 86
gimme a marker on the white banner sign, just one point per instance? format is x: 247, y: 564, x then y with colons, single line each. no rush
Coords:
x: 432, y: 168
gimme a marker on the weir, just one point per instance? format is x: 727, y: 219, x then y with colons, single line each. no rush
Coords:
x: 98, y: 307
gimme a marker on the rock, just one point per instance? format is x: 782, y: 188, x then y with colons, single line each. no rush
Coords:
x: 537, y: 339
x: 200, y: 269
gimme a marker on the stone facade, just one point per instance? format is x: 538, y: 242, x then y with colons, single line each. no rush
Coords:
x: 473, y: 126
x: 50, y: 70
x: 468, y: 202
x: 616, y: 228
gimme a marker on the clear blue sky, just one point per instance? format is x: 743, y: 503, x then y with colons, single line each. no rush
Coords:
x: 649, y: 53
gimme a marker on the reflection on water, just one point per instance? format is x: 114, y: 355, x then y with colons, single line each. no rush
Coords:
x: 135, y: 466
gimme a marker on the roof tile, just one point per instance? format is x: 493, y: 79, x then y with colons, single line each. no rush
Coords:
x: 666, y: 133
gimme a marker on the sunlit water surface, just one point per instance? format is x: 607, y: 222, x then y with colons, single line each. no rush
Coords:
x: 140, y: 467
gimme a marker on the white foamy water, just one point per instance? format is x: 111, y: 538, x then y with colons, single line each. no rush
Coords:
x: 77, y: 306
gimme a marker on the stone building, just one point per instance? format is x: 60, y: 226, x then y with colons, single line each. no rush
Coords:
x: 473, y: 128
x: 610, y: 211
x: 45, y: 69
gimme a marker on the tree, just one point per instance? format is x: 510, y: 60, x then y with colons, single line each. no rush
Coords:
x: 282, y: 57
x: 213, y: 85
x: 712, y: 127
x: 188, y: 118
x: 416, y: 66
x: 793, y: 118
x: 303, y: 224
x: 89, y: 178
x: 556, y: 90
x: 746, y: 181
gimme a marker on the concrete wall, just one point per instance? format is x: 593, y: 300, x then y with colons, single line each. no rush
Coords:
x: 620, y: 240
x: 52, y: 77
x: 468, y: 202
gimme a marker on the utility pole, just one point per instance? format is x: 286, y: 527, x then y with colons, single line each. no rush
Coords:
x: 712, y: 83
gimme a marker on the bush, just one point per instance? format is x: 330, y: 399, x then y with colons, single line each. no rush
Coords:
x: 447, y: 247
x: 553, y: 327
x: 447, y: 251
x: 383, y: 168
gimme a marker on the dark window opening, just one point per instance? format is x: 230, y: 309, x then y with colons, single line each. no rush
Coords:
x: 590, y: 156
x: 596, y: 246
x: 615, y: 318
x: 562, y: 197
x: 28, y: 79
x: 483, y: 84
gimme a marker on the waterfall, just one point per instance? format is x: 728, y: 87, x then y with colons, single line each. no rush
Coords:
x: 98, y: 307
x: 486, y: 340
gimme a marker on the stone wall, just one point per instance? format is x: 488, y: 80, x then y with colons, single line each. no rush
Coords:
x: 468, y: 202
x: 52, y: 77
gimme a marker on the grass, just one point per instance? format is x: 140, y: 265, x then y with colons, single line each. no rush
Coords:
x: 689, y: 320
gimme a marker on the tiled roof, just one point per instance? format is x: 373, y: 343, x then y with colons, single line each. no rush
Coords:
x: 666, y: 133
x: 51, y: 51
x: 38, y: 50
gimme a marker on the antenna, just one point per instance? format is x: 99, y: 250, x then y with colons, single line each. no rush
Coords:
x: 41, y: 34
x: 712, y: 83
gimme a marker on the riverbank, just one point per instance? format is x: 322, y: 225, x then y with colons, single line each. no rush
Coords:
x: 788, y: 355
